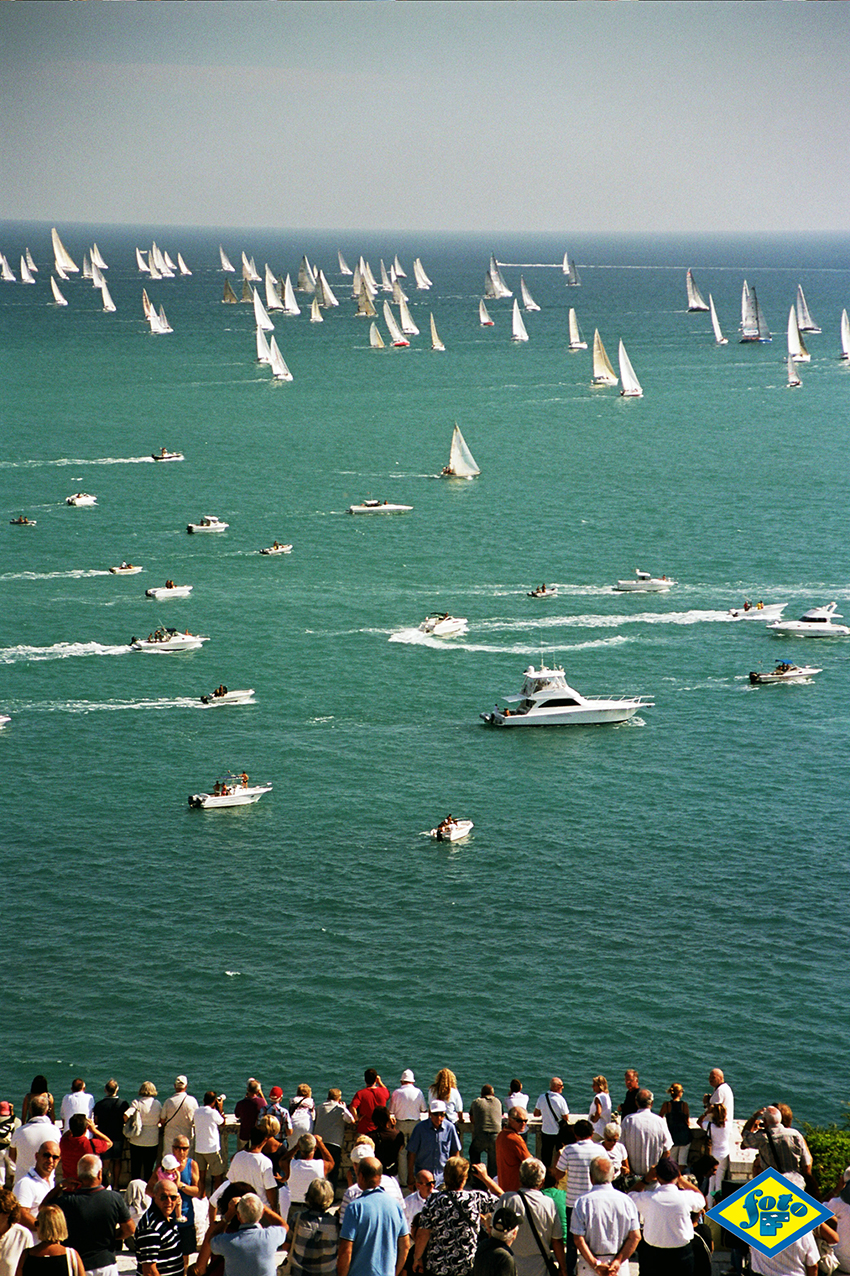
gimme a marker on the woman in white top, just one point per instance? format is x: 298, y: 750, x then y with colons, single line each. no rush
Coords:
x: 302, y: 1113
x: 444, y: 1086
x: 615, y: 1150
x: 715, y: 1122
x: 600, y: 1108
x: 143, y: 1146
x: 517, y: 1097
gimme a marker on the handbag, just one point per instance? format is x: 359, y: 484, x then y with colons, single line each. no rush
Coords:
x: 134, y: 1124
x: 827, y: 1262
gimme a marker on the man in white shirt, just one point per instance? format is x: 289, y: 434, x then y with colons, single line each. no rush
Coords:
x: 605, y: 1223
x: 206, y: 1123
x: 413, y: 1204
x: 29, y: 1137
x: 31, y: 1190
x: 668, y: 1229
x: 175, y: 1119
x: 79, y: 1100
x: 407, y: 1105
x: 252, y: 1167
x: 722, y: 1093
x: 646, y: 1136
x: 551, y: 1108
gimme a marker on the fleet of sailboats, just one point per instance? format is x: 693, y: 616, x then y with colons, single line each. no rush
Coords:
x: 696, y: 301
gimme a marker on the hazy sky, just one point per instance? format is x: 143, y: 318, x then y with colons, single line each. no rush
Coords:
x: 472, y: 116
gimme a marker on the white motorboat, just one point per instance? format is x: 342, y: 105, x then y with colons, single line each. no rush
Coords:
x: 784, y: 672
x: 209, y: 523
x: 230, y: 790
x: 646, y: 584
x: 543, y: 591
x: 126, y: 569
x: 4, y: 719
x: 441, y: 625
x: 817, y: 622
x: 758, y: 611
x: 169, y: 590
x: 164, y: 455
x: 222, y: 696
x: 547, y: 699
x: 164, y: 641
x: 81, y: 498
x: 379, y: 507
x: 277, y: 548
x: 451, y: 830
x: 23, y: 521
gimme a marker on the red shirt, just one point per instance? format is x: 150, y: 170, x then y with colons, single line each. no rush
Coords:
x: 365, y: 1101
x: 74, y: 1146
x: 511, y: 1151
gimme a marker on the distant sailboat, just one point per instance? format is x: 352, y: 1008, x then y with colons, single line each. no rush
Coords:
x: 484, y: 316
x: 153, y: 266
x: 27, y: 276
x: 631, y: 387
x: 316, y: 315
x: 407, y: 324
x: 397, y: 267
x: 86, y: 266
x: 436, y: 343
x: 262, y: 318
x: 33, y: 267
x: 805, y: 322
x: 502, y: 289
x: 376, y: 341
x: 422, y: 280
x: 146, y: 304
x: 397, y: 337
x: 366, y: 272
x: 365, y: 308
x: 156, y: 257
x: 796, y: 346
x: 247, y: 293
x: 566, y: 264
x: 229, y: 298
x: 226, y: 263
x: 576, y: 342
x: 290, y: 305
x: 164, y: 325
x: 753, y: 325
x: 461, y: 461
x: 571, y: 271
x: 844, y: 337
x: 142, y: 265
x: 715, y: 323
x: 399, y: 295
x: 527, y: 300
x: 172, y: 266
x: 96, y: 258
x: 344, y: 268
x: 325, y: 292
x: 6, y: 272
x: 386, y: 284
x: 280, y: 372
x: 518, y: 330
x: 273, y: 298
x: 603, y: 373
x: 60, y: 272
x: 696, y: 301
x: 108, y: 304
x: 249, y: 270
x: 793, y: 375
x: 57, y: 296
x: 60, y: 252
x: 181, y: 265
x: 263, y: 352
x: 97, y: 279
x: 306, y: 281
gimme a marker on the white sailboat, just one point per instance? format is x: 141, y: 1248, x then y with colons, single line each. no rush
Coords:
x: 573, y: 280
x: 576, y: 342
x: 181, y: 265
x: 461, y: 461
x: 344, y: 268
x: 156, y: 258
x: 142, y: 265
x: 290, y: 305
x: 566, y: 264
x: 603, y: 373
x: 166, y: 257
x: 155, y: 272
x: 715, y: 323
x: 229, y: 298
x: 146, y: 304
x: 57, y: 296
x: 753, y: 326
x: 490, y: 286
x: 796, y: 346
x: 164, y: 325
x: 631, y: 387
x: 273, y: 300
x: 696, y: 301
x: 316, y: 315
x: 226, y: 263
x: 86, y: 266
x: 263, y: 352
x: 366, y: 272
x: 397, y: 337
x: 376, y: 341
x: 793, y: 375
x: 436, y: 343
x: 306, y: 281
x: 528, y: 301
x: 502, y: 289
x: 249, y: 270
x: 60, y: 252
x: 422, y: 280
x: 33, y: 267
x: 97, y: 279
x: 59, y: 271
x: 365, y: 308
x: 484, y: 316
x: 844, y: 337
x: 407, y: 324
x: 518, y: 330
x: 27, y: 276
x: 247, y: 293
x: 398, y: 268
x: 97, y: 259
x: 6, y: 272
x: 399, y: 295
x: 326, y: 294
x: 108, y: 304
x: 280, y: 372
x: 386, y: 285
x: 262, y: 318
x: 805, y: 322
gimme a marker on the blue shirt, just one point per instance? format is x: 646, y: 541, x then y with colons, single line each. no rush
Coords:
x: 374, y: 1222
x: 432, y: 1147
x: 252, y: 1251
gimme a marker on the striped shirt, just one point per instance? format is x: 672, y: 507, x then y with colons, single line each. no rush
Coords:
x: 157, y: 1242
x: 315, y: 1245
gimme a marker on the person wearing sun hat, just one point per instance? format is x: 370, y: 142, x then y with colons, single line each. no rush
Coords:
x: 407, y: 1107
x: 432, y: 1142
x: 178, y: 1113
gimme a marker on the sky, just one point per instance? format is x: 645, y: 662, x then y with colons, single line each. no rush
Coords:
x: 463, y: 115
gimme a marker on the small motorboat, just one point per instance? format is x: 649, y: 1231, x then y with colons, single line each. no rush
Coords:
x: 277, y: 548
x: 758, y: 611
x: 451, y: 830
x: 169, y: 590
x: 164, y: 640
x: 784, y: 672
x: 4, y: 720
x: 379, y: 507
x: 164, y: 455
x: 646, y: 584
x: 231, y: 789
x: 547, y: 699
x: 441, y: 625
x: 543, y: 591
x: 209, y: 523
x: 126, y: 569
x: 81, y: 498
x: 23, y: 521
x: 817, y: 622
x: 222, y: 696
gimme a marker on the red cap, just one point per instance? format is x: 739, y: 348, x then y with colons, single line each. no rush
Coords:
x: 275, y: 1092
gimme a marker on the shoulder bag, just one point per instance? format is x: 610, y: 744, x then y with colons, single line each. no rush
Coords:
x: 134, y: 1124
x: 564, y: 1127
x: 551, y: 1266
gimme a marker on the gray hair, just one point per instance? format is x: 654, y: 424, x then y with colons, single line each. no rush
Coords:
x: 531, y: 1172
x: 319, y: 1194
x: 89, y: 1168
x: 249, y: 1208
x: 772, y: 1117
x: 601, y: 1170
x: 306, y: 1146
x: 645, y: 1098
x: 611, y: 1131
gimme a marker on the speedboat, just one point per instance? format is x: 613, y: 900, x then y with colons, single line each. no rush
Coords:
x: 543, y: 591
x: 209, y: 523
x: 23, y: 521
x: 277, y: 549
x: 784, y: 672
x: 168, y: 640
x: 4, y: 719
x: 547, y: 699
x: 441, y: 625
x: 451, y: 830
x: 646, y: 584
x: 379, y: 507
x: 815, y: 623
x: 126, y: 569
x: 222, y: 696
x: 81, y: 498
x: 760, y: 611
x: 164, y: 455
x: 169, y: 590
x: 230, y: 790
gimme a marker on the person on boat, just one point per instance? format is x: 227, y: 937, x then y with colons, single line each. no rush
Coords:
x: 275, y: 546
x: 244, y: 779
x: 150, y: 638
x: 124, y: 566
x: 747, y: 604
x: 760, y: 605
x: 163, y: 452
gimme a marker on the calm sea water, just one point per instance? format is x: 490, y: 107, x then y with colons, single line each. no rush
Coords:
x: 669, y: 894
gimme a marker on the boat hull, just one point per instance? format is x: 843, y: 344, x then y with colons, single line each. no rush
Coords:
x: 81, y: 499
x: 610, y: 711
x: 383, y: 508
x: 167, y: 456
x: 186, y: 642
x: 765, y: 614
x: 454, y: 832
x: 125, y: 571
x: 542, y: 593
x: 800, y: 629
x: 445, y: 628
x: 654, y: 586
x: 230, y: 697
x: 281, y: 549
x: 800, y: 673
x: 206, y: 527
x: 239, y: 797
x: 178, y: 591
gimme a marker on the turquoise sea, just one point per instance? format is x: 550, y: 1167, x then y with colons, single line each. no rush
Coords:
x: 670, y: 894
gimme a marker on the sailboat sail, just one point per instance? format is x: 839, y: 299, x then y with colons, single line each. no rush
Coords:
x: 60, y: 252
x: 761, y: 323
x: 845, y: 337
x: 316, y: 315
x: 749, y: 322
x: 146, y: 304
x: 86, y: 267
x: 632, y: 388
x: 527, y: 300
x: 153, y: 266
x: 263, y: 352
x: 306, y: 281
x: 365, y: 309
x: 422, y: 280
x: 407, y: 324
x: 247, y: 293
x: 169, y: 263
x: 715, y: 323
x: 436, y: 343
x: 385, y: 279
x: 793, y: 374
x: 696, y: 300
x: 399, y: 295
x: 489, y: 286
x: 397, y: 337
x: 796, y: 346
x: 280, y: 372
x: 181, y: 265
x: 6, y: 272
x: 262, y: 318
x: 518, y: 332
x: 97, y: 260
x: 165, y: 325
x: 273, y: 301
x: 108, y: 304
x: 161, y: 264
x: 226, y: 263
x: 484, y: 316
x: 398, y: 269
x: 376, y: 341
x: 805, y: 322
x: 290, y: 305
x: 142, y: 265
x: 566, y: 264
x: 366, y: 272
x: 326, y: 295
x: 249, y: 270
x: 33, y: 267
x: 229, y: 298
x: 576, y: 342
x: 502, y: 289
x: 461, y: 461
x: 573, y: 280
x: 344, y: 268
x: 603, y: 373
x: 27, y: 276
x: 97, y: 279
x: 57, y: 296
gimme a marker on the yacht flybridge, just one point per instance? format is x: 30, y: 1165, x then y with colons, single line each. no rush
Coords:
x: 547, y: 699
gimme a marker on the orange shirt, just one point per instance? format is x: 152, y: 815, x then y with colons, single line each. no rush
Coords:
x: 511, y: 1151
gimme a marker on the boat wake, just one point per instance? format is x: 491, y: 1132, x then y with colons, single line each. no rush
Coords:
x: 112, y: 706
x: 66, y: 460
x: 60, y: 651
x: 414, y: 637
x: 77, y: 574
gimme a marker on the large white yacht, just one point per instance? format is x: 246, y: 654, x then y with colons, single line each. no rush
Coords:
x: 441, y: 625
x: 547, y: 699
x: 817, y: 622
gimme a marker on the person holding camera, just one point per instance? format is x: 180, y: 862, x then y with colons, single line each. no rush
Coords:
x: 207, y: 1121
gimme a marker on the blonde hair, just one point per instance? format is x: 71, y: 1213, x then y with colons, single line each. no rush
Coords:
x: 269, y: 1126
x: 304, y: 1090
x: 602, y: 1082
x: 147, y: 1090
x: 444, y: 1082
x: 675, y: 1090
x: 51, y: 1224
x: 363, y: 1139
